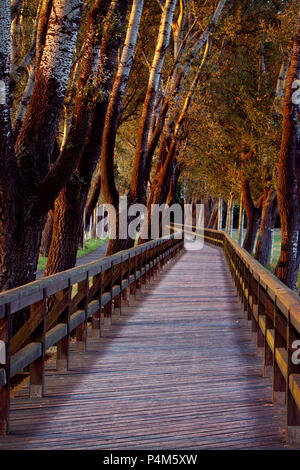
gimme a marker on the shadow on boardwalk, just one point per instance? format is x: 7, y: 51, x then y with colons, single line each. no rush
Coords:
x: 176, y: 371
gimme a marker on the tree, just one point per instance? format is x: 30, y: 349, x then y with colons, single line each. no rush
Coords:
x: 69, y: 206
x: 288, y: 191
x: 25, y: 166
x: 138, y: 184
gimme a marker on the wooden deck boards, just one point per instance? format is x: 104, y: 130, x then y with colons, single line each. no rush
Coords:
x: 176, y: 371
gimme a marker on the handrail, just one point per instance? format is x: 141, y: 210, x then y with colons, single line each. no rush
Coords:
x: 63, y: 303
x: 274, y: 312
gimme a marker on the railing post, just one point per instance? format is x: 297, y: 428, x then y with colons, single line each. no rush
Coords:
x: 96, y: 318
x: 260, y: 344
x: 126, y: 292
x: 156, y: 257
x: 63, y: 346
x: 143, y: 266
x: 139, y: 280
x: 37, y: 368
x: 254, y: 323
x: 5, y: 390
x: 268, y: 356
x: 81, y: 330
x: 292, y: 410
x: 107, y: 309
x: 100, y: 301
x: 117, y: 310
x: 278, y: 390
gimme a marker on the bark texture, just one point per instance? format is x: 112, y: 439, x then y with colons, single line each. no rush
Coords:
x: 264, y: 242
x: 69, y: 206
x: 289, y: 174
x: 22, y: 219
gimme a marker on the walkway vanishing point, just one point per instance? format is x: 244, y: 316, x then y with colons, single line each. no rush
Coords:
x: 178, y: 369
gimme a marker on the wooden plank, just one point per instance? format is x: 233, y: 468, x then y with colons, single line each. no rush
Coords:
x: 55, y: 334
x: 295, y: 387
x: 176, y: 370
x: 24, y: 357
x: 282, y: 360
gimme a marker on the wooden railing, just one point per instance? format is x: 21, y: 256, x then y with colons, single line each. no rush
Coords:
x: 61, y: 306
x: 273, y: 312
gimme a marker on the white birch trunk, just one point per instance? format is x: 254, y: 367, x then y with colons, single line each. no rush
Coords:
x: 228, y: 216
x: 5, y: 44
x: 204, y: 36
x: 191, y: 91
x: 230, y: 222
x: 220, y: 214
x: 241, y: 221
x: 153, y: 83
x: 15, y: 37
x: 125, y: 64
x: 67, y: 125
x: 60, y: 42
x: 272, y: 245
x: 181, y: 66
x: 22, y: 106
x: 280, y: 86
x: 113, y: 114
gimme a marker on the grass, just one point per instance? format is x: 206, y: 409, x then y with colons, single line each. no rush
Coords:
x: 90, y: 246
x: 275, y: 251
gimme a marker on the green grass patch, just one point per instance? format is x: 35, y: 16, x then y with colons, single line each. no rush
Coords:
x: 90, y: 246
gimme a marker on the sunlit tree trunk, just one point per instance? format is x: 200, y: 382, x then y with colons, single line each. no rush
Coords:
x: 47, y: 234
x: 22, y: 106
x: 220, y: 214
x: 253, y: 214
x: 69, y: 207
x: 264, y: 242
x: 139, y: 182
x: 93, y: 197
x: 36, y: 141
x: 214, y: 215
x: 229, y: 221
x: 241, y: 221
x: 10, y: 181
x: 109, y: 190
x: 184, y: 58
x: 288, y: 177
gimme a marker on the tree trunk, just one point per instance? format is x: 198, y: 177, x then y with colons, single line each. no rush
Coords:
x: 70, y: 205
x: 220, y: 214
x: 241, y: 220
x: 266, y: 230
x: 139, y: 181
x: 109, y: 190
x: 23, y: 104
x: 47, y: 235
x: 35, y: 144
x: 288, y: 177
x: 10, y: 181
x: 207, y: 210
x: 229, y: 223
x: 93, y: 198
x: 213, y: 216
x: 67, y: 229
x: 253, y: 216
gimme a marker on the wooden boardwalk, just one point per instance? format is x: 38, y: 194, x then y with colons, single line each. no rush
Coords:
x: 176, y: 371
